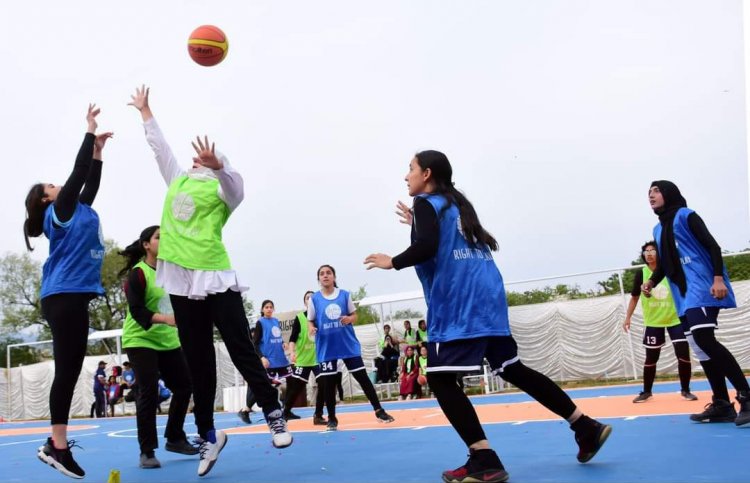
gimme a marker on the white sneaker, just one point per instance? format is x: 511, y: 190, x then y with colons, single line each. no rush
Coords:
x: 210, y: 449
x: 277, y: 424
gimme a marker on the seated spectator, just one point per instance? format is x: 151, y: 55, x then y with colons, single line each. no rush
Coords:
x: 421, y: 333
x: 410, y: 335
x: 114, y: 394
x: 422, y: 379
x: 128, y: 386
x: 164, y: 394
x: 409, y: 388
x: 387, y: 363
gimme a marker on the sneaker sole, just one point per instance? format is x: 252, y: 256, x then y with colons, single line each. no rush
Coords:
x: 726, y: 419
x: 213, y: 462
x: 603, y: 436
x: 746, y: 424
x: 282, y: 446
x: 48, y: 460
x: 500, y: 476
x: 186, y: 453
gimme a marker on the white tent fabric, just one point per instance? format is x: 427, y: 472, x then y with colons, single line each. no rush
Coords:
x: 567, y: 340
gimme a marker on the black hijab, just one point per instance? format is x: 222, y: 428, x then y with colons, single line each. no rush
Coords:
x: 669, y: 258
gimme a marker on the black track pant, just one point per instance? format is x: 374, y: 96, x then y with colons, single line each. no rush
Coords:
x: 149, y: 365
x: 195, y: 321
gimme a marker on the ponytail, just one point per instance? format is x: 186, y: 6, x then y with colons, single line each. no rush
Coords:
x: 36, y: 205
x: 134, y: 252
x: 442, y: 174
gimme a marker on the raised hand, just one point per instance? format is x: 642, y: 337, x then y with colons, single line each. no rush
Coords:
x: 101, y: 140
x: 404, y: 213
x: 140, y: 99
x: 206, y: 154
x: 91, y: 118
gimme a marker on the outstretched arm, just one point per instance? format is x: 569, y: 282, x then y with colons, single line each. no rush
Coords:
x: 164, y: 157
x: 95, y: 171
x: 67, y: 199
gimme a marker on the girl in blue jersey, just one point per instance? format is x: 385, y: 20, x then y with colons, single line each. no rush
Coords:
x: 71, y: 277
x: 467, y: 315
x: 691, y: 260
x: 331, y: 315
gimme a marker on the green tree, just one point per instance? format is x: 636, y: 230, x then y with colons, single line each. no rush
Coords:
x: 20, y: 281
x: 738, y: 266
x: 408, y: 314
x: 365, y: 315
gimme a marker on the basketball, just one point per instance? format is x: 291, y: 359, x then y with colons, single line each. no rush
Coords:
x: 207, y: 45
x: 422, y: 380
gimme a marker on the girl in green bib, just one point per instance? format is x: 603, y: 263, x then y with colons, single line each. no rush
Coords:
x: 659, y: 315
x: 149, y: 337
x: 193, y: 267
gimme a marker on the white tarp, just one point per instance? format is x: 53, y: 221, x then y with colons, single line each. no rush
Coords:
x: 567, y: 340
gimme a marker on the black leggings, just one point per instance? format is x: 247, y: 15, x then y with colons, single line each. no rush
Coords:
x: 330, y: 382
x: 461, y: 414
x: 149, y: 365
x: 195, y: 322
x: 68, y: 317
x: 681, y: 351
x: 723, y: 360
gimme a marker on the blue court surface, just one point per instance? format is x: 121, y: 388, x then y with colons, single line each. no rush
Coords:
x: 649, y: 448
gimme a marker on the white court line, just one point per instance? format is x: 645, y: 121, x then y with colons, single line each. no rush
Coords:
x: 518, y: 423
x: 45, y: 439
x: 630, y: 418
x: 433, y: 415
x: 417, y: 428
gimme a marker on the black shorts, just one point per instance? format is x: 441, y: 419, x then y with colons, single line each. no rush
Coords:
x: 278, y: 374
x: 330, y: 368
x: 467, y: 355
x: 654, y: 337
x: 303, y: 373
x: 700, y: 318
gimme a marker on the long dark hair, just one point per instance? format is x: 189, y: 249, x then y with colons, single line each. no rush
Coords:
x: 305, y: 296
x: 317, y: 274
x: 134, y: 252
x: 36, y: 204
x: 442, y: 174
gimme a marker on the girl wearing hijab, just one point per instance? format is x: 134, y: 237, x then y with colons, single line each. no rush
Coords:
x: 468, y: 315
x: 194, y: 268
x: 691, y: 260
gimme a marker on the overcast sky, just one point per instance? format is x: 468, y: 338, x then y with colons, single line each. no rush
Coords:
x: 556, y: 116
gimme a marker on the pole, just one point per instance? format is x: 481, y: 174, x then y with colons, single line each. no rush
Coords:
x: 630, y: 337
x: 7, y: 379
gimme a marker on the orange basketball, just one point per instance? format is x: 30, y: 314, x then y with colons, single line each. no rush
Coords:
x: 421, y: 380
x: 207, y: 45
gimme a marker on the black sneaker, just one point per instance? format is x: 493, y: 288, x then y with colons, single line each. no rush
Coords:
x: 148, y: 461
x: 482, y: 465
x: 333, y: 424
x: 290, y: 415
x: 688, y: 396
x: 743, y: 418
x: 60, y: 459
x: 383, y: 416
x: 182, y: 447
x: 244, y: 416
x: 643, y: 396
x: 319, y: 420
x: 590, y: 435
x: 717, y: 411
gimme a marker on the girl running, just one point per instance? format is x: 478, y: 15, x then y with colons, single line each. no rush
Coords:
x: 690, y: 259
x: 150, y: 339
x: 468, y: 315
x: 659, y: 315
x: 71, y: 278
x: 302, y: 353
x: 193, y: 267
x: 331, y: 315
